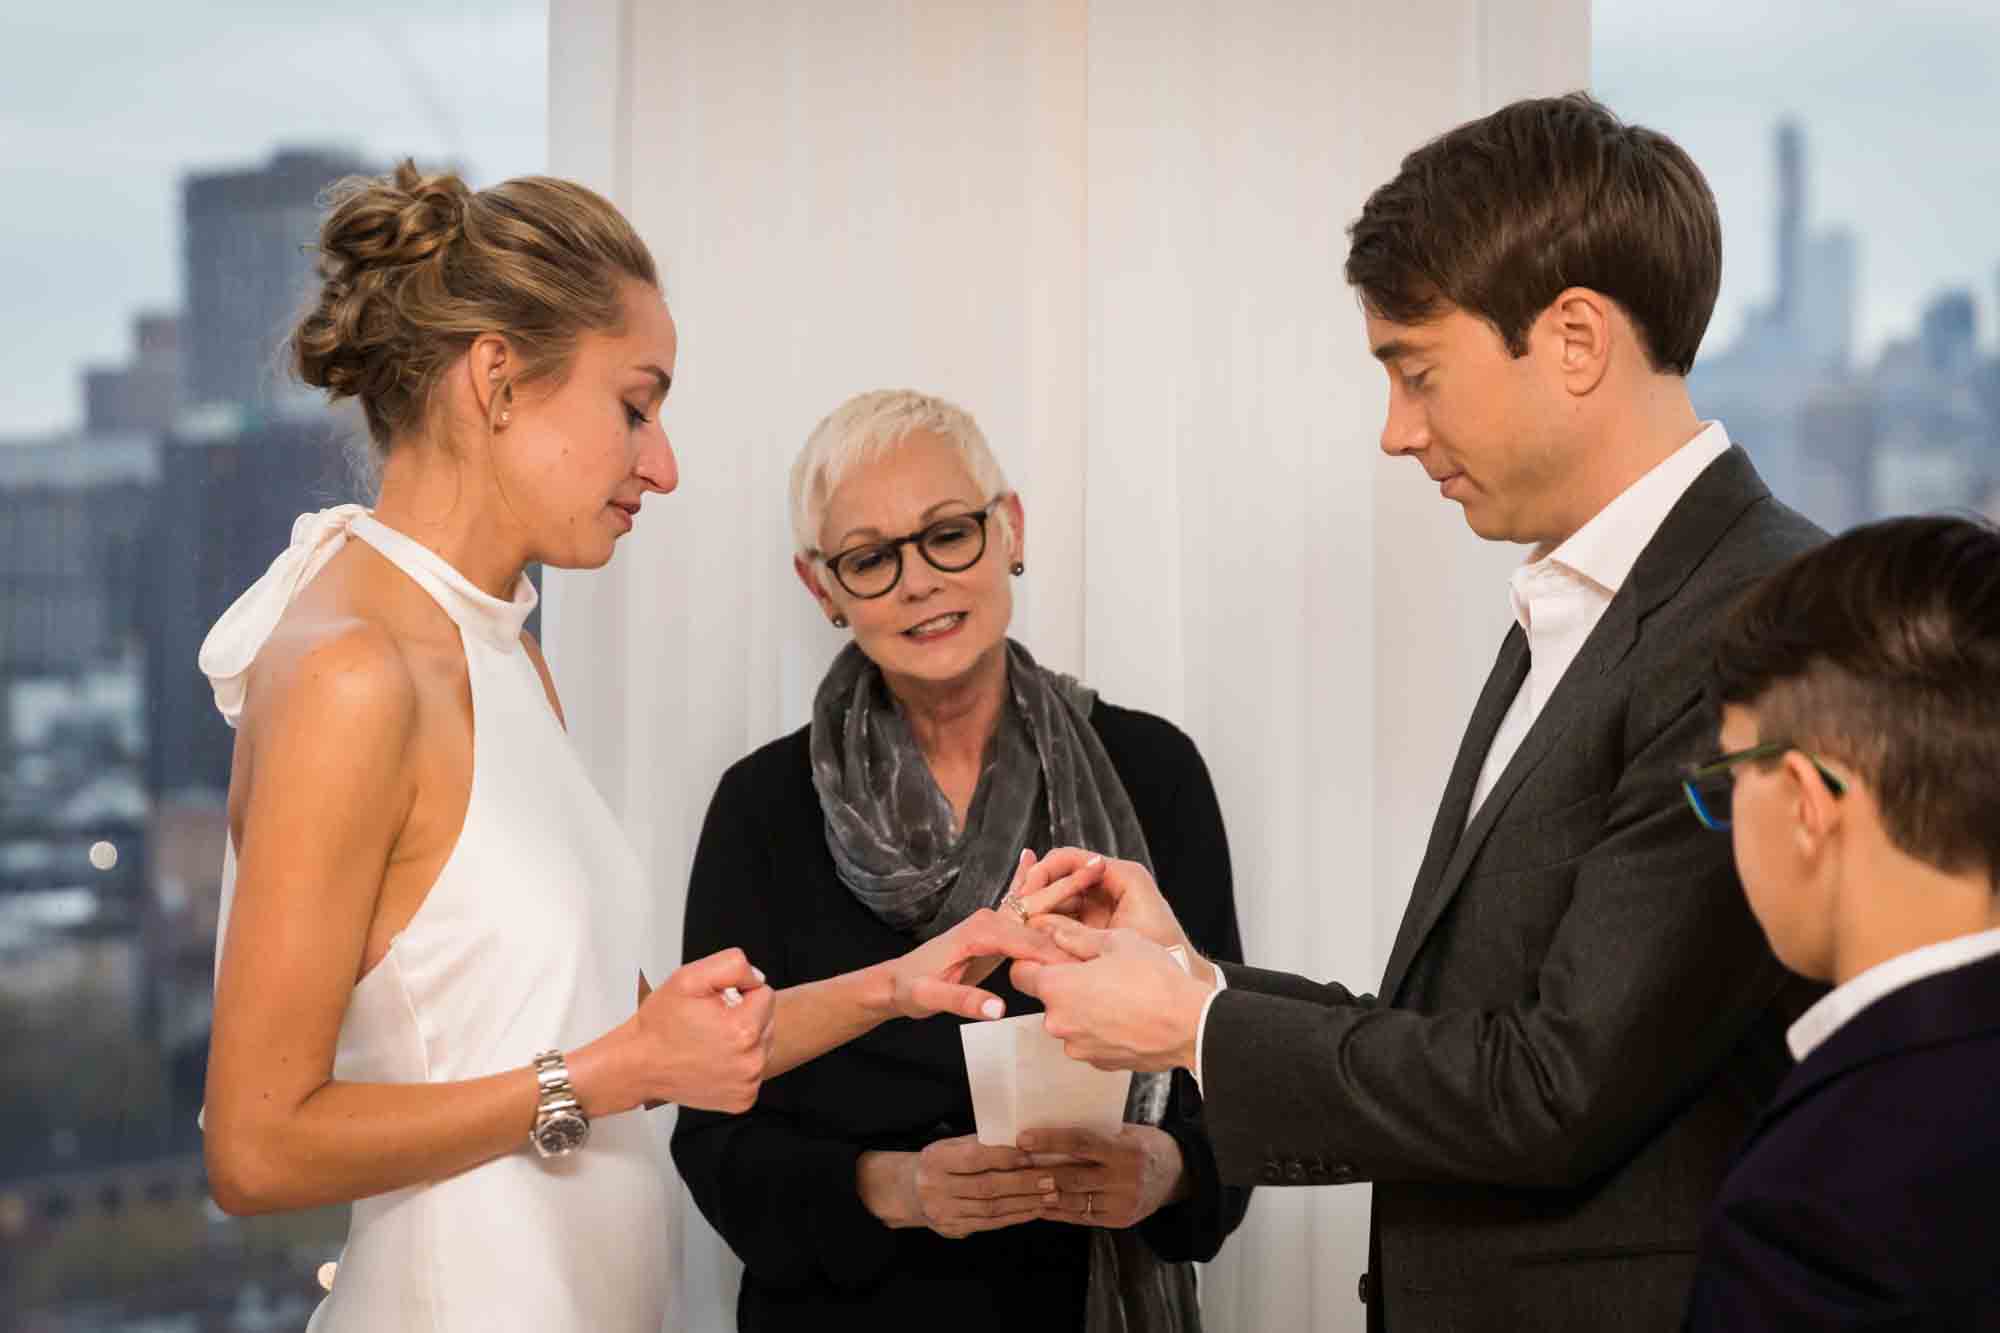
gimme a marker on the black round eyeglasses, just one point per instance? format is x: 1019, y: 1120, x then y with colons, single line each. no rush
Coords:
x: 951, y: 545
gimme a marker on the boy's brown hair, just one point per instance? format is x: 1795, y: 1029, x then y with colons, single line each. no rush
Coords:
x: 1500, y: 215
x: 1882, y: 649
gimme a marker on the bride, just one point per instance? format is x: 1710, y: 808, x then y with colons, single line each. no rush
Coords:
x: 430, y: 991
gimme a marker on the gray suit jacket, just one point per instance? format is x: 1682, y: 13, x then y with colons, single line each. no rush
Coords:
x: 1580, y: 1018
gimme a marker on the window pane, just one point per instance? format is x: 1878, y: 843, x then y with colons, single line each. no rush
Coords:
x: 163, y: 170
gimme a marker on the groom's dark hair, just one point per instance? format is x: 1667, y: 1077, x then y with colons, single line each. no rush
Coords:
x: 1500, y: 215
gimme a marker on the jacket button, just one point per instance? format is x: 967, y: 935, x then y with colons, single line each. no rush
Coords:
x: 1364, y: 1289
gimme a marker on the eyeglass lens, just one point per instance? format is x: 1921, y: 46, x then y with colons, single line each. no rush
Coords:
x: 1709, y: 795
x: 950, y: 545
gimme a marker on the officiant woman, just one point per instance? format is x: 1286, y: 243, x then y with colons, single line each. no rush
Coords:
x: 937, y: 752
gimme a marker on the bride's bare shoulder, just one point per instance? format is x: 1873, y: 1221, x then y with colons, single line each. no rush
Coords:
x: 330, y: 670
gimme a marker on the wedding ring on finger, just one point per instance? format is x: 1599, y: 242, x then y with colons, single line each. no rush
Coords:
x: 1089, y: 1203
x: 1014, y: 903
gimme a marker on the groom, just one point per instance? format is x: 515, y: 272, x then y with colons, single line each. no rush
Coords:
x: 1579, y: 1017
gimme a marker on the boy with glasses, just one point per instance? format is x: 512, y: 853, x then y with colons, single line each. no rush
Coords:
x: 1860, y: 786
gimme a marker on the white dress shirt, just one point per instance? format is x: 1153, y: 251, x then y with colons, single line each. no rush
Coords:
x: 1844, y: 1001
x: 1559, y: 596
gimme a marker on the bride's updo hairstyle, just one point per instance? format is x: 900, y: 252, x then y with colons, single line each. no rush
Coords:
x: 414, y: 267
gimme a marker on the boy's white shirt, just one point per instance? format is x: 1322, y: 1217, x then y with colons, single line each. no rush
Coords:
x: 1839, y: 1006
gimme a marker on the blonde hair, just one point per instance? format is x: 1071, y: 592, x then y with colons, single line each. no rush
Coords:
x: 414, y: 267
x: 866, y: 426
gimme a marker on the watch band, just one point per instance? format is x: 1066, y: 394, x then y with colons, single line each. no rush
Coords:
x: 560, y: 1124
x: 553, y: 1077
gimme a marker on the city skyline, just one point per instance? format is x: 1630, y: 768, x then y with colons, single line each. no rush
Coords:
x: 102, y: 143
x: 467, y: 83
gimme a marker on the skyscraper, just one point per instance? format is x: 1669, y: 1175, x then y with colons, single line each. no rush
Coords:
x: 248, y: 237
x: 1823, y: 308
x: 1791, y: 222
x: 145, y: 393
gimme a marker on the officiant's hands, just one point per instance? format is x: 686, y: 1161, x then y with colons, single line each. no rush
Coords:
x: 1120, y: 1002
x: 957, y: 1187
x: 942, y: 975
x: 954, y: 1187
x: 1106, y: 1180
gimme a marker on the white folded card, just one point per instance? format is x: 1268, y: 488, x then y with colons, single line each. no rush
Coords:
x: 1021, y: 1080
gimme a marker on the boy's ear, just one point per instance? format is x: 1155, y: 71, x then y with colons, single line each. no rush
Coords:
x: 1816, y: 810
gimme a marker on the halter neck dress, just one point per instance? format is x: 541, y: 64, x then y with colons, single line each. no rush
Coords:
x: 530, y: 939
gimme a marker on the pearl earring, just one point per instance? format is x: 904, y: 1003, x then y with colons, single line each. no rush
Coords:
x: 840, y: 622
x: 1017, y: 569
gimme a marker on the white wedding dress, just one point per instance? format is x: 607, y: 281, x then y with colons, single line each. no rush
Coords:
x: 531, y: 939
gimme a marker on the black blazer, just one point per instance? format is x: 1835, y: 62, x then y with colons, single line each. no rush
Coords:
x: 1866, y: 1197
x: 778, y: 1182
x: 1579, y: 1018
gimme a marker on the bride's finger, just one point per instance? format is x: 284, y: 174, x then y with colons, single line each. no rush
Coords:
x: 928, y: 995
x: 1021, y: 869
x: 977, y: 970
x: 1041, y: 901
x: 985, y: 933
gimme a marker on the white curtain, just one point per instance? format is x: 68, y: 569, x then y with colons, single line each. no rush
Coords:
x: 1114, y: 232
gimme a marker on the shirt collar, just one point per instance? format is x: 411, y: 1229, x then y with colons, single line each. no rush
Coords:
x: 1604, y: 550
x: 1839, y: 1006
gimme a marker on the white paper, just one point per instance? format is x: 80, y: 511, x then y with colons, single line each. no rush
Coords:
x: 1021, y: 1080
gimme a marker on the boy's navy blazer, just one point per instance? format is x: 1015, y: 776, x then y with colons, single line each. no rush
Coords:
x: 1868, y: 1196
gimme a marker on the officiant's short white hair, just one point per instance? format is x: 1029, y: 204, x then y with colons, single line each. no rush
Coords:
x: 864, y: 427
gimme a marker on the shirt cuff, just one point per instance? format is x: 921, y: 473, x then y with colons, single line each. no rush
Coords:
x: 1201, y: 1028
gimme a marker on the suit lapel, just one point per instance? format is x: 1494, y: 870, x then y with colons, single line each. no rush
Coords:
x: 1509, y: 674
x: 1696, y: 523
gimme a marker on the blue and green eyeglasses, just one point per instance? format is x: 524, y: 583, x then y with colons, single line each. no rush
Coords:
x: 1708, y: 786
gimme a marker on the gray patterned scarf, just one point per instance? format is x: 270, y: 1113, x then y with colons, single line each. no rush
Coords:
x: 1047, y: 781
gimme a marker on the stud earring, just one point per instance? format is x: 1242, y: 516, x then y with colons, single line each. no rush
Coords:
x: 840, y: 622
x: 1017, y: 569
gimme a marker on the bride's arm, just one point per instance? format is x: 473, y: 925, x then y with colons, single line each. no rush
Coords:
x: 328, y: 790
x: 940, y: 976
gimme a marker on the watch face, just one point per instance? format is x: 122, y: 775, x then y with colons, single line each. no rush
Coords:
x: 563, y: 1132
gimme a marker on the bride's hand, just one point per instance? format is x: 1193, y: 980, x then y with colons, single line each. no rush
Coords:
x: 942, y: 975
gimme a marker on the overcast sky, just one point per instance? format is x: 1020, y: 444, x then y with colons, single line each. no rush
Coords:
x: 104, y: 106
x: 1900, y: 104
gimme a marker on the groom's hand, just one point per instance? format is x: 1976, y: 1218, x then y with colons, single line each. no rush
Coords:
x: 1103, y: 894
x: 1129, y: 1006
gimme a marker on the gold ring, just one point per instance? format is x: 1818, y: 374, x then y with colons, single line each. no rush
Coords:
x: 1089, y: 1202
x: 1014, y: 903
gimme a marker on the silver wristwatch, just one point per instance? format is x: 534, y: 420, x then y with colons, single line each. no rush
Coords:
x: 560, y: 1125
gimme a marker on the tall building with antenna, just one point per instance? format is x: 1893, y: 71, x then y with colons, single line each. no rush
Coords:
x: 1918, y: 428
